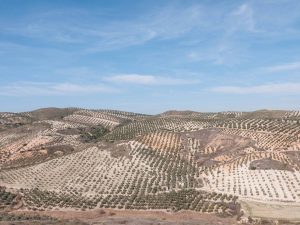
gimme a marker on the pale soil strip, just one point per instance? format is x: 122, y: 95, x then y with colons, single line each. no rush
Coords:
x: 271, y: 210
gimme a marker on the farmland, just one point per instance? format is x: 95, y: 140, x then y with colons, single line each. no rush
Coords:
x: 217, y: 164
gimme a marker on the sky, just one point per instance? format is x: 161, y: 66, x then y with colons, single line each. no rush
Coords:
x: 150, y: 56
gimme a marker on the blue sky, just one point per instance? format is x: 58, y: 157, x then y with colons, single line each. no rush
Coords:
x: 145, y: 57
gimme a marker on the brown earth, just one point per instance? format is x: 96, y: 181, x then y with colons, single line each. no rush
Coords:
x: 134, y: 217
x: 269, y: 164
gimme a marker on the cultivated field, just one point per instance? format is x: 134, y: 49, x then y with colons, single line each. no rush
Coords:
x: 229, y: 165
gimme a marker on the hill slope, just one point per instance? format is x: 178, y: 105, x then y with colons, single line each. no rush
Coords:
x: 178, y: 160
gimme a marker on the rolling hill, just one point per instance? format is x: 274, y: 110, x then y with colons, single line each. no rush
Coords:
x: 224, y: 164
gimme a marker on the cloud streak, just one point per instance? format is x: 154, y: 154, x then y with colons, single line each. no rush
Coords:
x: 149, y: 80
x: 54, y: 27
x: 283, y: 88
x: 53, y: 89
x: 283, y: 67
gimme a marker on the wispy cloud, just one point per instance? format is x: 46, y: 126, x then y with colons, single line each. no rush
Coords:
x: 103, y: 35
x: 238, y: 27
x: 283, y: 67
x: 50, y: 89
x: 196, y: 21
x: 243, y: 19
x: 149, y: 80
x: 283, y: 88
x: 226, y: 48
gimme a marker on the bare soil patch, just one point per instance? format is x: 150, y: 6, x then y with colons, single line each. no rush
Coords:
x: 134, y: 217
x: 269, y: 164
x: 286, y: 211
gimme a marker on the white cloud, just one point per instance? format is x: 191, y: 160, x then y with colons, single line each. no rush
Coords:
x: 132, y: 78
x: 49, y: 89
x: 284, y: 67
x: 283, y: 88
x: 149, y: 80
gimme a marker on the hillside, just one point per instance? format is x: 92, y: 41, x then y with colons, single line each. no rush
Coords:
x: 219, y: 164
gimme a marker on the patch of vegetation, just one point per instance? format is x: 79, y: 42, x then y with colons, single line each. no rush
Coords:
x: 37, y: 200
x: 188, y: 199
x: 93, y: 133
x: 31, y: 219
x: 269, y: 164
x: 7, y: 199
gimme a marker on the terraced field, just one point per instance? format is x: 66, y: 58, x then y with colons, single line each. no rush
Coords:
x: 79, y: 159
